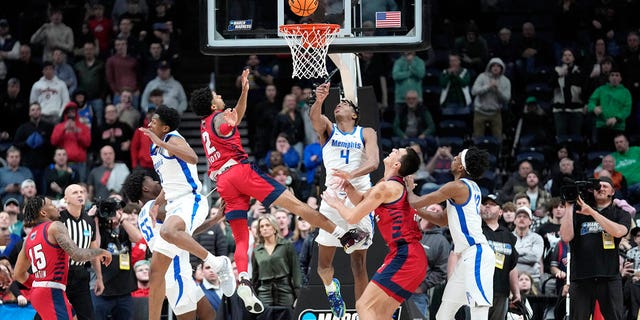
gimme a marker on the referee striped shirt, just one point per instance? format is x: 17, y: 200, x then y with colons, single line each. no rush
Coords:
x: 82, y: 231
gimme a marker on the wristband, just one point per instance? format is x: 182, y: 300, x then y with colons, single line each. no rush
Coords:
x: 225, y: 128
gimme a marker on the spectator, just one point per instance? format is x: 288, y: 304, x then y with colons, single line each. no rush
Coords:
x: 594, y: 236
x: 301, y: 231
x: 289, y: 121
x: 169, y: 42
x: 114, y: 133
x: 75, y: 138
x: 522, y: 309
x: 413, y: 122
x: 122, y: 71
x: 439, y: 168
x: 558, y: 265
x: 534, y: 123
x: 630, y: 64
x: 63, y: 70
x: 91, y: 80
x: 211, y: 287
x: 509, y: 215
x: 59, y: 175
x: 374, y: 68
x: 533, y: 51
x: 529, y: 245
x: 9, y: 48
x: 312, y: 161
x: 503, y: 243
x: 141, y: 144
x: 33, y: 139
x: 567, y: 100
x: 10, y: 243
x: 277, y: 274
x: 25, y: 68
x: 473, y: 48
x: 127, y: 113
x: 628, y: 163
x: 12, y: 207
x: 259, y: 77
x: 619, y: 181
x: 290, y: 156
x: 437, y: 249
x: 492, y: 91
x: 593, y: 66
x: 611, y: 105
x: 537, y: 196
x: 14, y: 108
x: 53, y: 34
x: 505, y: 49
x: 455, y: 82
x: 550, y: 233
x: 141, y: 269
x: 517, y: 182
x: 108, y: 177
x: 85, y: 111
x: 100, y: 27
x: 408, y: 72
x: 174, y: 96
x: 12, y: 176
x: 51, y: 93
x: 134, y: 45
x: 283, y: 218
x: 212, y: 239
x: 151, y: 61
x: 155, y: 99
x: 266, y: 110
x: 567, y: 170
x: 137, y: 18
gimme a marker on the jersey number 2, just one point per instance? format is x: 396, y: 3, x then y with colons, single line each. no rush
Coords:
x: 344, y: 153
x: 206, y: 141
x: 38, y: 260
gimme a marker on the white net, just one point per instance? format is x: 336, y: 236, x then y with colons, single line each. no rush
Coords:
x: 309, y: 44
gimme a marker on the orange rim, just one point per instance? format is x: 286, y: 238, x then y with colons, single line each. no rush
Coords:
x: 310, y: 38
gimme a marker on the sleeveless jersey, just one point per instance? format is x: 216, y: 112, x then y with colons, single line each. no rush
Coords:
x: 49, y: 262
x: 146, y: 226
x: 396, y: 221
x: 177, y: 177
x: 465, y: 221
x: 219, y: 149
x: 345, y: 151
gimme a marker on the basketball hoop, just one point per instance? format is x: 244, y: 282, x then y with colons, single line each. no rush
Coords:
x: 309, y: 44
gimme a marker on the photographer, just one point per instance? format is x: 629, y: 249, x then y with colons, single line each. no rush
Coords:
x: 594, y: 230
x: 116, y: 236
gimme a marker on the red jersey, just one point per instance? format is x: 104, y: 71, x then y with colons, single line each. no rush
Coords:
x: 396, y: 221
x: 219, y: 149
x: 49, y: 262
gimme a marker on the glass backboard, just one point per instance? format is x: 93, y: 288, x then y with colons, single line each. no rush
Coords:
x: 237, y: 27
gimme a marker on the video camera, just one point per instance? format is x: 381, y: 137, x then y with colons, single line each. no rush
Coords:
x: 106, y: 208
x: 572, y: 189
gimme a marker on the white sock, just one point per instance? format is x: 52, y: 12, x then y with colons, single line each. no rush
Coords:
x: 338, y: 232
x: 244, y: 275
x: 331, y: 287
x: 215, y: 262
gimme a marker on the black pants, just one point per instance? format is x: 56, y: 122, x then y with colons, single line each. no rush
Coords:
x: 78, y: 292
x: 500, y: 306
x: 584, y: 293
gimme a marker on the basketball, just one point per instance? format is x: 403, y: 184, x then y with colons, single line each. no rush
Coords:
x: 303, y: 8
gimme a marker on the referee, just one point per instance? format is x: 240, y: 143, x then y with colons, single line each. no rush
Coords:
x: 82, y: 230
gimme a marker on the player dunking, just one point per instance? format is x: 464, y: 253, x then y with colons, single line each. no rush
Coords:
x: 472, y: 280
x: 139, y: 186
x: 175, y: 162
x: 46, y: 250
x: 238, y: 180
x: 405, y: 266
x: 349, y: 152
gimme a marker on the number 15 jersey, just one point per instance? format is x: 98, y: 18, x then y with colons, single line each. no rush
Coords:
x: 49, y: 262
x: 220, y: 149
x: 345, y: 151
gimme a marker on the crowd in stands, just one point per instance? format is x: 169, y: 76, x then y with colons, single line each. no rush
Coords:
x: 550, y: 89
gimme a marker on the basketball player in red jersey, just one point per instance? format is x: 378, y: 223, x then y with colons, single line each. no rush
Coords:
x: 405, y: 266
x: 238, y: 180
x: 46, y: 250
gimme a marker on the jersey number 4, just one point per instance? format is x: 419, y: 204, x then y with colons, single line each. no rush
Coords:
x: 344, y: 153
x: 38, y: 260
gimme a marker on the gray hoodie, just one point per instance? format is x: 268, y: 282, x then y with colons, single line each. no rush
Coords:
x: 489, y: 100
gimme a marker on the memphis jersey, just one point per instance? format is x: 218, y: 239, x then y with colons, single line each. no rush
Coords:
x: 177, y: 177
x: 345, y: 151
x: 219, y: 149
x: 465, y: 221
x: 396, y: 221
x: 49, y: 262
x: 146, y: 225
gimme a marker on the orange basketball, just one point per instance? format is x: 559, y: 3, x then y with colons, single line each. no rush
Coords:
x: 303, y: 8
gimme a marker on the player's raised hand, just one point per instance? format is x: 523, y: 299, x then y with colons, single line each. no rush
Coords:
x: 105, y: 257
x: 154, y: 138
x: 245, y: 79
x: 231, y: 117
x: 342, y: 174
x: 331, y: 198
x: 322, y: 91
x: 409, y: 182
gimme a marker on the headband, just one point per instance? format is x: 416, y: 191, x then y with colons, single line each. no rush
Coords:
x: 463, y: 155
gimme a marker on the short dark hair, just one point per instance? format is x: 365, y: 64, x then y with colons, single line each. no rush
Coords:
x: 476, y: 161
x: 201, y: 101
x: 132, y: 186
x: 32, y: 209
x: 409, y: 163
x: 169, y: 117
x: 156, y: 93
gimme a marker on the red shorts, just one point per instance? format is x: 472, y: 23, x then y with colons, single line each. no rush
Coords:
x: 51, y: 303
x: 242, y: 182
x: 402, y: 272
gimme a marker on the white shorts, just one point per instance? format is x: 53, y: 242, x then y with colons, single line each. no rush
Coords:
x: 183, y: 293
x: 472, y: 280
x: 192, y: 212
x: 326, y: 239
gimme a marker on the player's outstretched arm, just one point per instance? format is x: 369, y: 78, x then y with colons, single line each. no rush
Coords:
x: 241, y: 106
x: 379, y: 194
x: 371, y: 160
x: 180, y: 148
x: 59, y: 233
x: 321, y: 124
x: 21, y: 270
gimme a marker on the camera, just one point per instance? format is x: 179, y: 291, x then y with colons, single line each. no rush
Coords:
x: 106, y: 208
x: 572, y: 189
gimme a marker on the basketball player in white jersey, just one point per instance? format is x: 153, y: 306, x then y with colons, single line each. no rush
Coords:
x: 175, y: 162
x: 349, y: 152
x: 472, y: 280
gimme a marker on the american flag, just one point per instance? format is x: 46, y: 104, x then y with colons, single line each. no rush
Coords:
x: 388, y: 19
